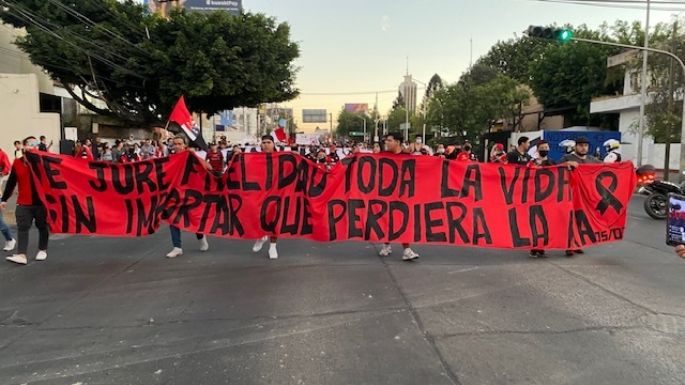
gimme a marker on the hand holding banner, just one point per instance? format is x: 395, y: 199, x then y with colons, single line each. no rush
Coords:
x: 368, y: 197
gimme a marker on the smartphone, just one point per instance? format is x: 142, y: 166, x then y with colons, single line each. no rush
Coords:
x: 675, y: 222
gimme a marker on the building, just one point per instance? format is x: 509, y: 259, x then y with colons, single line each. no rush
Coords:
x: 627, y: 105
x: 408, y: 91
x: 29, y: 102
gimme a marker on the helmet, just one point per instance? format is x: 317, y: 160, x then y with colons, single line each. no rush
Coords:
x: 612, y: 144
x: 568, y: 145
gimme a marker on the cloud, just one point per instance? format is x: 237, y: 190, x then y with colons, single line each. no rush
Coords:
x: 385, y: 23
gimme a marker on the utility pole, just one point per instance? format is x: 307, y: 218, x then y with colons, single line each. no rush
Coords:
x: 643, y: 92
x: 671, y: 104
x: 406, y: 105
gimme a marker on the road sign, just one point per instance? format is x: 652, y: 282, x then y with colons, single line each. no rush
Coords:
x: 356, y: 133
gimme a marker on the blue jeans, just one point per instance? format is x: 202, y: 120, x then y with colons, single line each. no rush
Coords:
x: 176, y: 236
x: 4, y: 229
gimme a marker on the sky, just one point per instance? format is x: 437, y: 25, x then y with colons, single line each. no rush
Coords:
x: 362, y: 46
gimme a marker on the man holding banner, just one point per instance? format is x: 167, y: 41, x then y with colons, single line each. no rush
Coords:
x: 29, y: 207
x: 179, y: 146
x: 393, y: 146
x: 577, y: 157
x: 268, y: 147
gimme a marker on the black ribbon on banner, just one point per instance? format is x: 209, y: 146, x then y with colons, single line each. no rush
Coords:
x: 607, y: 194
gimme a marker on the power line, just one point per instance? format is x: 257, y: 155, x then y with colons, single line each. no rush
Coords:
x: 27, y: 17
x: 347, y: 93
x: 615, y: 5
x: 84, y: 18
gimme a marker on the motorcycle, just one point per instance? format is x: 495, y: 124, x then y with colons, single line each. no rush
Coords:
x: 656, y: 203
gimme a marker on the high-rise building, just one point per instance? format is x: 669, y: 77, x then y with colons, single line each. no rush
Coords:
x: 408, y: 92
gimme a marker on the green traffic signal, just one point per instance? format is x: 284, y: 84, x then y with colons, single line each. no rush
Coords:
x: 561, y: 35
x: 565, y: 35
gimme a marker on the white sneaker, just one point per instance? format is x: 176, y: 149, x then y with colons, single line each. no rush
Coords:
x: 409, y: 255
x: 9, y: 245
x: 273, y: 253
x: 385, y: 250
x: 18, y: 258
x: 42, y: 255
x: 259, y: 244
x: 176, y: 252
x: 204, y: 245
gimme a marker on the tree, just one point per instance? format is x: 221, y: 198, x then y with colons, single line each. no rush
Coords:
x: 101, y: 54
x: 512, y: 57
x: 396, y: 117
x: 349, y: 122
x: 570, y: 76
x: 469, y: 107
x: 398, y: 102
x: 435, y: 84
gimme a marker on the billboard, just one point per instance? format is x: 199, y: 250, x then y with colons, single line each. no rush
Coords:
x: 357, y: 108
x: 232, y: 6
x: 276, y: 112
x: 314, y: 116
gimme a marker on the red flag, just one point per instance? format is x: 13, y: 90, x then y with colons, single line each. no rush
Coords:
x: 279, y: 135
x: 181, y: 116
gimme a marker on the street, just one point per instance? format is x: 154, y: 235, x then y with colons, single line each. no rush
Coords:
x: 115, y: 311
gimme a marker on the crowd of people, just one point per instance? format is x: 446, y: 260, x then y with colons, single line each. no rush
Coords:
x: 30, y: 210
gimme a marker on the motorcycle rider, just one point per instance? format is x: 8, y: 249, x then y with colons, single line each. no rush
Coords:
x: 613, y: 148
x: 568, y: 145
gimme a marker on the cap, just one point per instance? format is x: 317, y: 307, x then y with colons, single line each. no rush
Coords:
x: 581, y: 140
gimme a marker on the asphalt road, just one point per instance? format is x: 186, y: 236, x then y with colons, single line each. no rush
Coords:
x: 113, y: 311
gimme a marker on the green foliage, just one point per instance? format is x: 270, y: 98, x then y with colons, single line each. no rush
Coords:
x: 348, y: 122
x: 396, y: 117
x: 476, y: 102
x: 571, y: 75
x: 664, y: 113
x: 104, y: 56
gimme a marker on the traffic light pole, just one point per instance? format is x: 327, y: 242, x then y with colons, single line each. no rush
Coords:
x: 682, y: 65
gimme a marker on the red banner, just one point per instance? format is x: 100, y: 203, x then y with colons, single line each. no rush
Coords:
x: 368, y: 197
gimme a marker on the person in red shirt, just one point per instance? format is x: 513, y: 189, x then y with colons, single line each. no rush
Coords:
x: 5, y: 166
x: 179, y: 146
x: 83, y: 152
x: 215, y: 160
x: 465, y: 155
x: 497, y: 155
x: 129, y: 155
x: 29, y: 207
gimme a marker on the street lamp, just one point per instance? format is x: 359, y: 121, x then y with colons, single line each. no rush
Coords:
x: 364, y: 119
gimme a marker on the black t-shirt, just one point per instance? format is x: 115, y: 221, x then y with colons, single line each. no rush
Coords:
x: 42, y: 147
x: 544, y: 163
x: 573, y: 157
x: 516, y: 157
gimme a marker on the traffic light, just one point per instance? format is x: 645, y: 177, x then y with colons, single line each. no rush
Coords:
x: 562, y: 35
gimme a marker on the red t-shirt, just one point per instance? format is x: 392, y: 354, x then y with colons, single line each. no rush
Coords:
x: 464, y: 156
x: 21, y: 176
x: 216, y: 160
x: 85, y: 153
x: 5, y: 164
